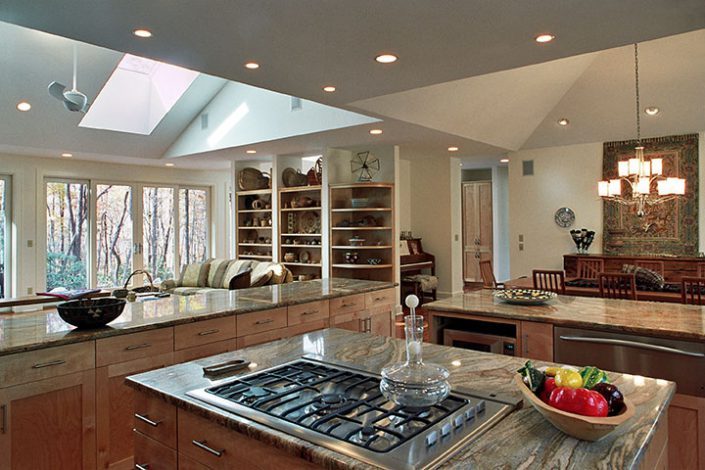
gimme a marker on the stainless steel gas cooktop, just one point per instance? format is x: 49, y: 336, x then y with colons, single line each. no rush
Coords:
x: 342, y: 409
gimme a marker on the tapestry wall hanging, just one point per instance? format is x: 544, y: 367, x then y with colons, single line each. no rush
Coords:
x: 670, y: 228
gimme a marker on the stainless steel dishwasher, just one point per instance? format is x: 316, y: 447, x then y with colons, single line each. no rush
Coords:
x: 680, y: 361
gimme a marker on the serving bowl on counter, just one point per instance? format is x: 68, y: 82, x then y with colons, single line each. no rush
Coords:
x: 91, y: 313
x: 524, y: 296
x: 587, y: 428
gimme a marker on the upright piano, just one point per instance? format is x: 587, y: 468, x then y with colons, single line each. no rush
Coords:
x: 414, y: 259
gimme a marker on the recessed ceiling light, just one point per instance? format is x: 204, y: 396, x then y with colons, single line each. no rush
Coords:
x: 386, y: 58
x: 168, y: 164
x: 251, y: 151
x: 652, y: 110
x: 67, y: 155
x: 251, y: 65
x: 504, y: 160
x: 23, y: 106
x: 329, y: 89
x: 376, y: 131
x: 544, y: 38
x: 142, y: 33
x: 452, y: 149
x: 563, y: 122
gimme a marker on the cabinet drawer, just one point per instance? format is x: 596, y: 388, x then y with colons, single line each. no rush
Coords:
x: 155, y: 418
x: 125, y: 348
x: 258, y: 322
x: 308, y: 312
x: 260, y: 338
x: 204, y: 332
x: 350, y: 303
x: 152, y: 455
x: 210, y: 349
x: 380, y: 297
x: 217, y: 447
x: 46, y: 363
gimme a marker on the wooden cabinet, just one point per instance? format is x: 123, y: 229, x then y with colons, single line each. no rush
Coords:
x: 49, y: 423
x: 537, y: 340
x: 114, y: 399
x: 477, y: 227
x: 204, y: 442
x: 258, y: 322
x: 308, y: 312
x: 155, y: 419
x: 152, y: 455
x: 686, y: 432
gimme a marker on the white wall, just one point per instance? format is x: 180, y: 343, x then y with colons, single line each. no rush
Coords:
x: 500, y: 222
x: 404, y: 206
x: 242, y: 114
x: 28, y: 206
x: 563, y: 177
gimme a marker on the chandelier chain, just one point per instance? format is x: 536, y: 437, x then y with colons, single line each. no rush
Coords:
x: 638, y: 97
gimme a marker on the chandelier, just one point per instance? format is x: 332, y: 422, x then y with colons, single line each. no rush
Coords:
x: 644, y: 177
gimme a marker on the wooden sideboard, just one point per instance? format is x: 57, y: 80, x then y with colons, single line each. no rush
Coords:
x: 73, y: 398
x: 674, y: 267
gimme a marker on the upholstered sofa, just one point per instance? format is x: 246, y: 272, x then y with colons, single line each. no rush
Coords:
x: 224, y: 274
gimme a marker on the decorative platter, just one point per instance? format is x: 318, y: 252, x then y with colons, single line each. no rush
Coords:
x: 564, y: 217
x: 310, y: 222
x: 524, y: 296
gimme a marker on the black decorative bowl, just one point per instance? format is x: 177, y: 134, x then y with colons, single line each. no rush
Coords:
x: 91, y: 313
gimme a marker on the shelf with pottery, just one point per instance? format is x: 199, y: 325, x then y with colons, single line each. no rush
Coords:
x: 362, y: 230
x: 254, y: 224
x: 300, y: 230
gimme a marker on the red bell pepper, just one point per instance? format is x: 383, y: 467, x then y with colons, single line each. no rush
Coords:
x: 549, y: 385
x: 579, y: 401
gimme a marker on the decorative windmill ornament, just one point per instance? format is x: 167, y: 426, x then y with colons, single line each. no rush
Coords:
x: 365, y: 166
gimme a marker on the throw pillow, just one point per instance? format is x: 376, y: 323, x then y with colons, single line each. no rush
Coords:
x: 261, y: 274
x: 645, y: 277
x: 194, y: 275
x: 234, y: 268
x: 217, y: 271
x: 279, y: 273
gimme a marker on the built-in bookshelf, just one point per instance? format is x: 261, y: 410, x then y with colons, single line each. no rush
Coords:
x: 362, y: 231
x: 253, y: 218
x: 300, y: 240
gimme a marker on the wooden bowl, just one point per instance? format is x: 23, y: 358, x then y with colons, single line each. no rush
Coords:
x: 587, y: 428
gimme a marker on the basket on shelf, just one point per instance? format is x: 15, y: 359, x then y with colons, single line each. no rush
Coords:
x: 122, y: 293
x: 249, y: 179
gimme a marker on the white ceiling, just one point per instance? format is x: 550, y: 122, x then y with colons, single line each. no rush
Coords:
x: 443, y: 91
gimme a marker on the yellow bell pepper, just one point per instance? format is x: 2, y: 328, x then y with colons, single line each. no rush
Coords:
x: 568, y: 378
x: 551, y: 371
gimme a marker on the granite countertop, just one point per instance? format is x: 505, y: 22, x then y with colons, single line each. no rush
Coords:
x: 660, y: 319
x: 44, y: 328
x: 521, y: 440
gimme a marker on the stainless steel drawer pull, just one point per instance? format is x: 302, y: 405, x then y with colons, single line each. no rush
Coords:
x: 40, y: 365
x: 633, y: 344
x: 209, y: 332
x: 143, y: 466
x: 310, y: 312
x: 137, y: 346
x: 202, y: 445
x: 264, y: 322
x: 347, y: 305
x: 146, y: 419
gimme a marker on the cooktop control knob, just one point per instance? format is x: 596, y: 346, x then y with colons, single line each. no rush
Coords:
x: 480, y: 406
x: 458, y: 421
x: 431, y: 438
x: 470, y: 413
x: 445, y: 430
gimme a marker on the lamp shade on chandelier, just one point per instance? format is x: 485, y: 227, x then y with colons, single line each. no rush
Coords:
x: 644, y: 177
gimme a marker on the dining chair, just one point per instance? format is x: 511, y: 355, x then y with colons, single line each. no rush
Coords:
x: 590, y: 268
x: 693, y: 290
x: 553, y: 281
x: 487, y: 275
x: 656, y: 266
x: 617, y: 286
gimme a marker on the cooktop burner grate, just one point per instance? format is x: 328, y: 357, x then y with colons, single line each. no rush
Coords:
x: 340, y: 403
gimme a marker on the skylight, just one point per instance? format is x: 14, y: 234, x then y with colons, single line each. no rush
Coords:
x: 137, y: 96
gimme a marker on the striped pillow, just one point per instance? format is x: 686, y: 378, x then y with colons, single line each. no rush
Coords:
x: 217, y: 271
x: 194, y: 275
x: 235, y: 267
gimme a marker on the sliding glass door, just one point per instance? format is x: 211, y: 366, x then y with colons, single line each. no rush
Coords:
x: 114, y: 234
x: 5, y: 231
x: 159, y: 232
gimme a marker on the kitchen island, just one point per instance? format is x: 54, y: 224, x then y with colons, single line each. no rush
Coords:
x: 65, y: 387
x: 640, y: 338
x: 521, y: 439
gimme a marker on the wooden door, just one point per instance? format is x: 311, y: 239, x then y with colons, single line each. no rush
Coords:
x: 381, y: 323
x: 115, y: 410
x: 49, y: 424
x: 477, y: 227
x: 686, y: 432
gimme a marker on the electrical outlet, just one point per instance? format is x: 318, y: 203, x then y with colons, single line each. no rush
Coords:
x: 30, y: 243
x: 521, y: 237
x: 521, y: 247
x: 30, y: 290
x: 457, y: 238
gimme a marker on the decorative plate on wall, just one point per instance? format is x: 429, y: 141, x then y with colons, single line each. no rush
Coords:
x: 564, y: 217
